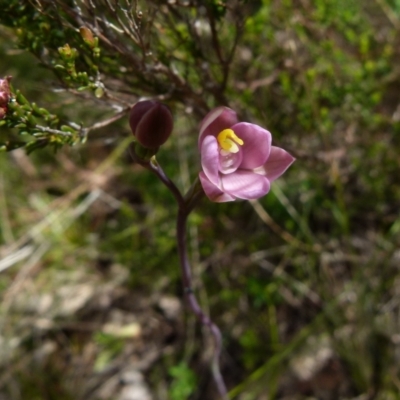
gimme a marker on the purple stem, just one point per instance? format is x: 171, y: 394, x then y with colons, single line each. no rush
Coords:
x: 193, y: 303
x: 156, y: 168
x: 185, y: 206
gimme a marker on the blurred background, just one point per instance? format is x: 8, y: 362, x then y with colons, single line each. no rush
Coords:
x: 303, y: 283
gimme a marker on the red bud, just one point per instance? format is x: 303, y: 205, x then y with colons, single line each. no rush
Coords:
x: 151, y: 123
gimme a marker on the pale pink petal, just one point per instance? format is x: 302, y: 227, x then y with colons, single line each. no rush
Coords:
x: 278, y: 162
x: 210, y: 158
x: 212, y: 191
x: 216, y: 121
x: 245, y: 184
x: 256, y: 146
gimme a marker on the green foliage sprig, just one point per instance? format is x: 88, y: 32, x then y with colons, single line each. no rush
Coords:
x: 31, y: 120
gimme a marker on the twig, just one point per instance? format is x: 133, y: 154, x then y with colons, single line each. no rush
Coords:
x: 53, y: 131
x: 107, y: 121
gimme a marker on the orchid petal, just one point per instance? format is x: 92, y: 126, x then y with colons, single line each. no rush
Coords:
x: 210, y: 158
x: 216, y: 121
x: 257, y: 144
x: 278, y: 162
x: 245, y: 184
x: 212, y: 191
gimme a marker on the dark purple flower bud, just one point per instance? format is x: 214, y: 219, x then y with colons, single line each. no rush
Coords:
x: 151, y: 123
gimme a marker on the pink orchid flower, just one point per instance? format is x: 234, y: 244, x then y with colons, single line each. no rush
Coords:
x: 237, y: 158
